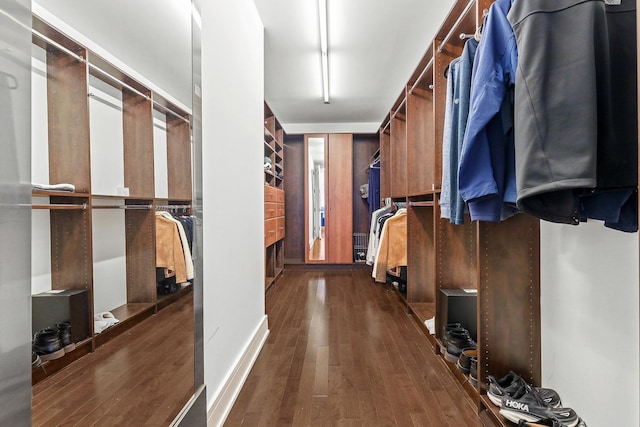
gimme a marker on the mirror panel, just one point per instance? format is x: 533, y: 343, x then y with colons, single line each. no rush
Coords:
x: 315, y: 184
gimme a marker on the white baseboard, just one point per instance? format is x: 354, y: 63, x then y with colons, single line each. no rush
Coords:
x: 223, y: 403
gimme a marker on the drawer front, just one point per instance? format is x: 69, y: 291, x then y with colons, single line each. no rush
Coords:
x: 270, y: 194
x: 279, y: 196
x: 270, y: 227
x: 271, y: 210
x: 280, y: 209
x: 280, y: 228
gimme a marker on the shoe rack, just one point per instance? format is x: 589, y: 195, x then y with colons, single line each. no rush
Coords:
x: 74, y: 155
x: 501, y: 261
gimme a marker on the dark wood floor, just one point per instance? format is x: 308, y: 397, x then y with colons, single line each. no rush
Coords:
x: 343, y: 352
x: 141, y: 378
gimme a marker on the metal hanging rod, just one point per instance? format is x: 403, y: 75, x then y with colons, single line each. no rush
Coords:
x: 172, y: 207
x: 123, y: 207
x: 429, y: 64
x: 464, y: 36
x: 455, y: 25
x: 395, y: 113
x: 106, y: 74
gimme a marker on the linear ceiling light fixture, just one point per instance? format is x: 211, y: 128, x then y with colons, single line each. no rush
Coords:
x: 324, y: 48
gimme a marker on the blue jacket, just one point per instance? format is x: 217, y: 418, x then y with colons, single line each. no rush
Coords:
x: 486, y: 174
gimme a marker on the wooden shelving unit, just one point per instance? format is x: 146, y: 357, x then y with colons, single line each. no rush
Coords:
x: 69, y: 69
x: 486, y: 257
x: 274, y: 200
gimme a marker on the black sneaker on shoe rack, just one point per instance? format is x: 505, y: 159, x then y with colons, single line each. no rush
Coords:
x: 510, y: 383
x: 458, y: 341
x: 47, y: 345
x: 526, y: 404
x: 64, y: 332
x: 446, y: 330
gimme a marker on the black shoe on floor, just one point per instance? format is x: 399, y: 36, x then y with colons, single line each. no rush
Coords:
x: 510, y: 383
x: 526, y: 404
x: 47, y: 344
x: 64, y: 332
x: 455, y: 345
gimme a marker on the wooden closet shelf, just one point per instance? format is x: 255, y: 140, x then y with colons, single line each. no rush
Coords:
x: 491, y: 411
x: 58, y: 194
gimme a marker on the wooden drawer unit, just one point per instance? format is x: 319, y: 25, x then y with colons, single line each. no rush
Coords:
x: 279, y: 209
x: 270, y: 194
x: 279, y: 228
x: 270, y: 231
x: 272, y: 210
x: 279, y: 196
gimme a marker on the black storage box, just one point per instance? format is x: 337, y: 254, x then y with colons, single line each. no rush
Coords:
x: 57, y: 306
x: 459, y: 306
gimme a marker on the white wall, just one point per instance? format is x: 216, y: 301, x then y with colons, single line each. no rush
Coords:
x: 589, y: 311
x: 233, y: 185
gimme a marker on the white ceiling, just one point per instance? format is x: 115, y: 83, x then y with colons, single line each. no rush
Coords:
x: 374, y: 47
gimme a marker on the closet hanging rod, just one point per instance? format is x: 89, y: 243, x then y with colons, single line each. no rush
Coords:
x: 464, y: 36
x: 58, y: 45
x: 58, y: 206
x: 385, y: 126
x: 172, y: 207
x: 398, y: 109
x: 455, y: 25
x: 123, y: 207
x: 429, y: 64
x: 104, y: 73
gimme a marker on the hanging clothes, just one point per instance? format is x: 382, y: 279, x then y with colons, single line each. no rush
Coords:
x: 372, y: 247
x: 452, y: 206
x: 169, y: 252
x: 486, y: 175
x: 392, y: 251
x: 576, y: 110
x: 186, y: 252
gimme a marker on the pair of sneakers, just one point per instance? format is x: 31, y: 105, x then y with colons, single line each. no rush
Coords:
x: 456, y: 339
x: 52, y: 343
x: 525, y: 405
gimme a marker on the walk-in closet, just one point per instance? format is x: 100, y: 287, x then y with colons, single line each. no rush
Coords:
x: 362, y: 213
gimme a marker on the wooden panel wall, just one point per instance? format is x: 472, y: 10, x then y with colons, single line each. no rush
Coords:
x: 294, y: 247
x: 339, y: 223
x: 68, y: 109
x: 138, y: 145
x: 398, y: 156
x: 179, y: 158
x: 423, y: 170
x: 385, y: 165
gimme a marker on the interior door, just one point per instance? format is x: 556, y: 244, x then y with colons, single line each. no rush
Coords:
x: 339, y: 215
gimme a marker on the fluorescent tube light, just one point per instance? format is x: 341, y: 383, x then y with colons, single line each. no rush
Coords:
x: 324, y: 48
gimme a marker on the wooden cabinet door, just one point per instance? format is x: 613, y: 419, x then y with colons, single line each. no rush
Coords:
x: 339, y: 215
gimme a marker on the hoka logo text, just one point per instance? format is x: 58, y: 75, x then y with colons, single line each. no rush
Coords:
x: 517, y: 405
